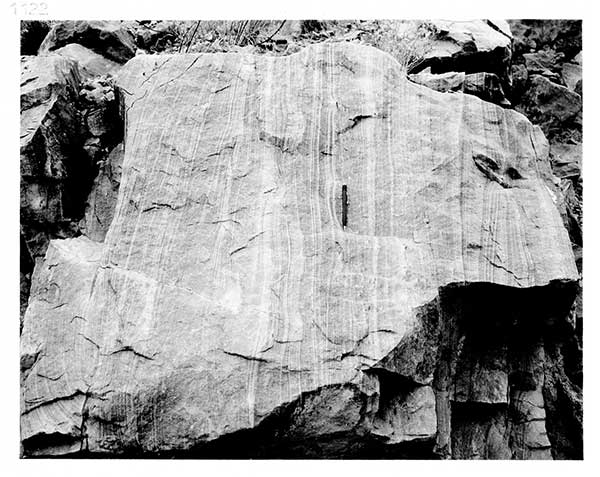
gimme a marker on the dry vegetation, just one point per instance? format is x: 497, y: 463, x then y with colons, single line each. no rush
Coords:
x: 405, y: 40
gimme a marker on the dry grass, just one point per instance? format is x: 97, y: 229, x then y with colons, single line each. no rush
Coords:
x: 406, y: 40
x: 219, y: 35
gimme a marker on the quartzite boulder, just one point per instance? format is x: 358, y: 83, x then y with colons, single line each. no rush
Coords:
x: 545, y: 63
x: 242, y: 304
x: 107, y: 38
x: 483, y: 85
x: 155, y: 35
x: 90, y: 63
x: 555, y: 108
x: 566, y: 160
x: 572, y: 75
x: 471, y: 47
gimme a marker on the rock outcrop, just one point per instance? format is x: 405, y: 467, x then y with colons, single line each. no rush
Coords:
x: 309, y: 256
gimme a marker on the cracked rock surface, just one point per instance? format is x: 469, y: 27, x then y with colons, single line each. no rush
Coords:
x: 230, y: 312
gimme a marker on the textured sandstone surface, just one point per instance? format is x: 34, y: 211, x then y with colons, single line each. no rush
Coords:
x: 229, y: 296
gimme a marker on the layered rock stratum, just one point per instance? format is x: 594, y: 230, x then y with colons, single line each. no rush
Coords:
x: 309, y: 256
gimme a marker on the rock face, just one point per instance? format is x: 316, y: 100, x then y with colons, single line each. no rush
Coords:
x: 107, y: 38
x: 51, y: 163
x: 301, y: 262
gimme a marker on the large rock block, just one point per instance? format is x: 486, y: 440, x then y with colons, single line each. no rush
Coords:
x: 269, y: 282
x: 107, y: 38
x: 470, y: 46
x: 555, y: 108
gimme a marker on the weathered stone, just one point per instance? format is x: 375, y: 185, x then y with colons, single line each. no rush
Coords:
x: 469, y: 46
x: 33, y: 33
x: 238, y: 297
x: 103, y: 198
x: 408, y: 416
x: 51, y: 162
x: 91, y: 64
x: 107, y: 38
x: 545, y: 63
x: 100, y: 114
x: 519, y: 77
x: 153, y: 35
x: 563, y: 402
x: 483, y: 85
x: 562, y: 36
x: 566, y: 160
x: 572, y: 75
x: 550, y: 105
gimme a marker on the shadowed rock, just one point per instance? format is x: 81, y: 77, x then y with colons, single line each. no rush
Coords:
x: 471, y: 47
x: 483, y: 85
x: 107, y: 38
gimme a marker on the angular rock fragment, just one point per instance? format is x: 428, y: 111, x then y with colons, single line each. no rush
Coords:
x: 230, y: 303
x: 572, y: 75
x: 107, y: 38
x: 545, y: 63
x: 483, y: 85
x: 470, y: 46
x: 153, y: 35
x: 566, y: 160
x: 90, y: 63
x: 554, y: 107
